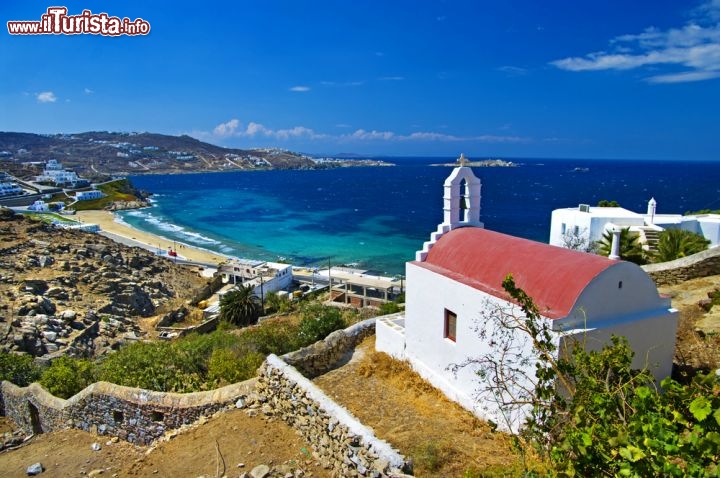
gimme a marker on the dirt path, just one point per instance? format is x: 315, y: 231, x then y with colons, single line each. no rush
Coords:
x: 224, y: 442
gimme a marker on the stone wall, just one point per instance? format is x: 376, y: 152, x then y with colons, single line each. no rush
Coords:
x: 702, y: 264
x: 139, y: 416
x: 136, y: 415
x: 340, y: 441
x: 322, y: 356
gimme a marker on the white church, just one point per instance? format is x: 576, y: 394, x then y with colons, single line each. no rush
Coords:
x: 455, y: 284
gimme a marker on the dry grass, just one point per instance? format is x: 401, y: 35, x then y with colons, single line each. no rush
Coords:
x: 442, y: 438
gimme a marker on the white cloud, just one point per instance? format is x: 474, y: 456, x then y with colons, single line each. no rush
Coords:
x: 88, y: 91
x: 694, y: 47
x: 300, y: 89
x: 346, y: 83
x: 428, y: 136
x: 234, y: 128
x: 46, y: 97
x: 685, y: 77
x: 391, y: 78
x: 513, y: 70
x: 226, y: 129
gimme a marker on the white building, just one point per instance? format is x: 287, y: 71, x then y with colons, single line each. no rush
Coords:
x: 263, y: 276
x: 88, y: 195
x: 454, y: 289
x: 585, y: 224
x: 54, y: 173
x: 10, y: 189
x: 39, y: 206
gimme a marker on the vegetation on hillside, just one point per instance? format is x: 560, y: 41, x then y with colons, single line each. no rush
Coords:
x: 120, y: 190
x: 189, y: 364
x: 677, y: 243
x: 606, y: 203
x: 240, y: 306
x: 630, y: 247
x: 591, y: 413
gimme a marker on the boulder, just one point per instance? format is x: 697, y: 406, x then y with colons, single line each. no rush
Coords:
x: 35, y: 469
x: 34, y: 286
x: 260, y: 471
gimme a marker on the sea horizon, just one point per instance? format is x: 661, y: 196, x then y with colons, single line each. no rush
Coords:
x: 377, y: 217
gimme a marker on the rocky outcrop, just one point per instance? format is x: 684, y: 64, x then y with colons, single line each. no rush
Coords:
x: 79, y: 293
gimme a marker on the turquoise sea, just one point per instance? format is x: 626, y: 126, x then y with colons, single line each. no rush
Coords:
x: 377, y: 217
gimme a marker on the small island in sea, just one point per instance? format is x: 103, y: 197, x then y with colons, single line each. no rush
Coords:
x: 485, y: 163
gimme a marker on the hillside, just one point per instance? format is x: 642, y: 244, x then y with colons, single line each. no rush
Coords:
x: 100, y: 153
x: 77, y: 293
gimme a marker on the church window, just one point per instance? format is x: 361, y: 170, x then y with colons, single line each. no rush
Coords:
x: 450, y: 325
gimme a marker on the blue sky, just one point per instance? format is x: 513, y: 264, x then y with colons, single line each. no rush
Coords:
x: 577, y: 79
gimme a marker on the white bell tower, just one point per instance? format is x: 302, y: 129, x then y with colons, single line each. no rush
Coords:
x: 461, y: 204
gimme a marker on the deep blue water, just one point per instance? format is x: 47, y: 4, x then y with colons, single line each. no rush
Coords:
x: 378, y: 217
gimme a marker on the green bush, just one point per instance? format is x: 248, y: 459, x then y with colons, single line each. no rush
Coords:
x: 389, y: 308
x: 161, y: 366
x: 67, y: 376
x: 227, y: 366
x: 18, y: 369
x: 319, y: 321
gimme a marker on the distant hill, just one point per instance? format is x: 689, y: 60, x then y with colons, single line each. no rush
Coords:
x: 101, y: 153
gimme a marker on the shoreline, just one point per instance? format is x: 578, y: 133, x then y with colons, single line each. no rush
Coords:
x: 128, y: 235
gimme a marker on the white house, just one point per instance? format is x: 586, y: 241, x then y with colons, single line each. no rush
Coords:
x: 584, y: 225
x: 39, y: 206
x: 263, y: 276
x: 454, y: 291
x: 88, y: 195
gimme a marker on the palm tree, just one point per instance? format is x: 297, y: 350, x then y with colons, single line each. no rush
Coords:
x: 676, y: 243
x: 630, y: 248
x: 240, y: 306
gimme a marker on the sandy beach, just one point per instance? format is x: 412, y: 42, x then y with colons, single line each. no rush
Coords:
x: 107, y: 223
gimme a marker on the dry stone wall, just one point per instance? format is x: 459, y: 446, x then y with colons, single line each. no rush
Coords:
x: 318, y: 358
x: 136, y: 415
x: 340, y: 441
x: 702, y: 264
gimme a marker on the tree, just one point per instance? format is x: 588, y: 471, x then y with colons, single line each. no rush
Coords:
x: 240, y: 306
x: 278, y: 303
x: 606, y: 203
x: 589, y: 413
x: 630, y: 248
x: 575, y: 239
x: 676, y: 243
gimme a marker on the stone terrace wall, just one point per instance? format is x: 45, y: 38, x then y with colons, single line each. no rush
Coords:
x: 136, y: 415
x: 702, y: 264
x: 340, y: 441
x: 322, y: 356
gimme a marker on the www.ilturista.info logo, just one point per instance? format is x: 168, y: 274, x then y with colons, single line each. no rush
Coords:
x: 57, y: 22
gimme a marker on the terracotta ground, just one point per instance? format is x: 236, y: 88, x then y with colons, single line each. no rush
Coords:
x: 240, y: 439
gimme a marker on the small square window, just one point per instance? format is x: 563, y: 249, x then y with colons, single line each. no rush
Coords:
x: 157, y: 416
x: 117, y: 416
x: 450, y: 325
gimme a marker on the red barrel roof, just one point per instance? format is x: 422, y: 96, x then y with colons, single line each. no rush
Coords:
x: 553, y: 276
